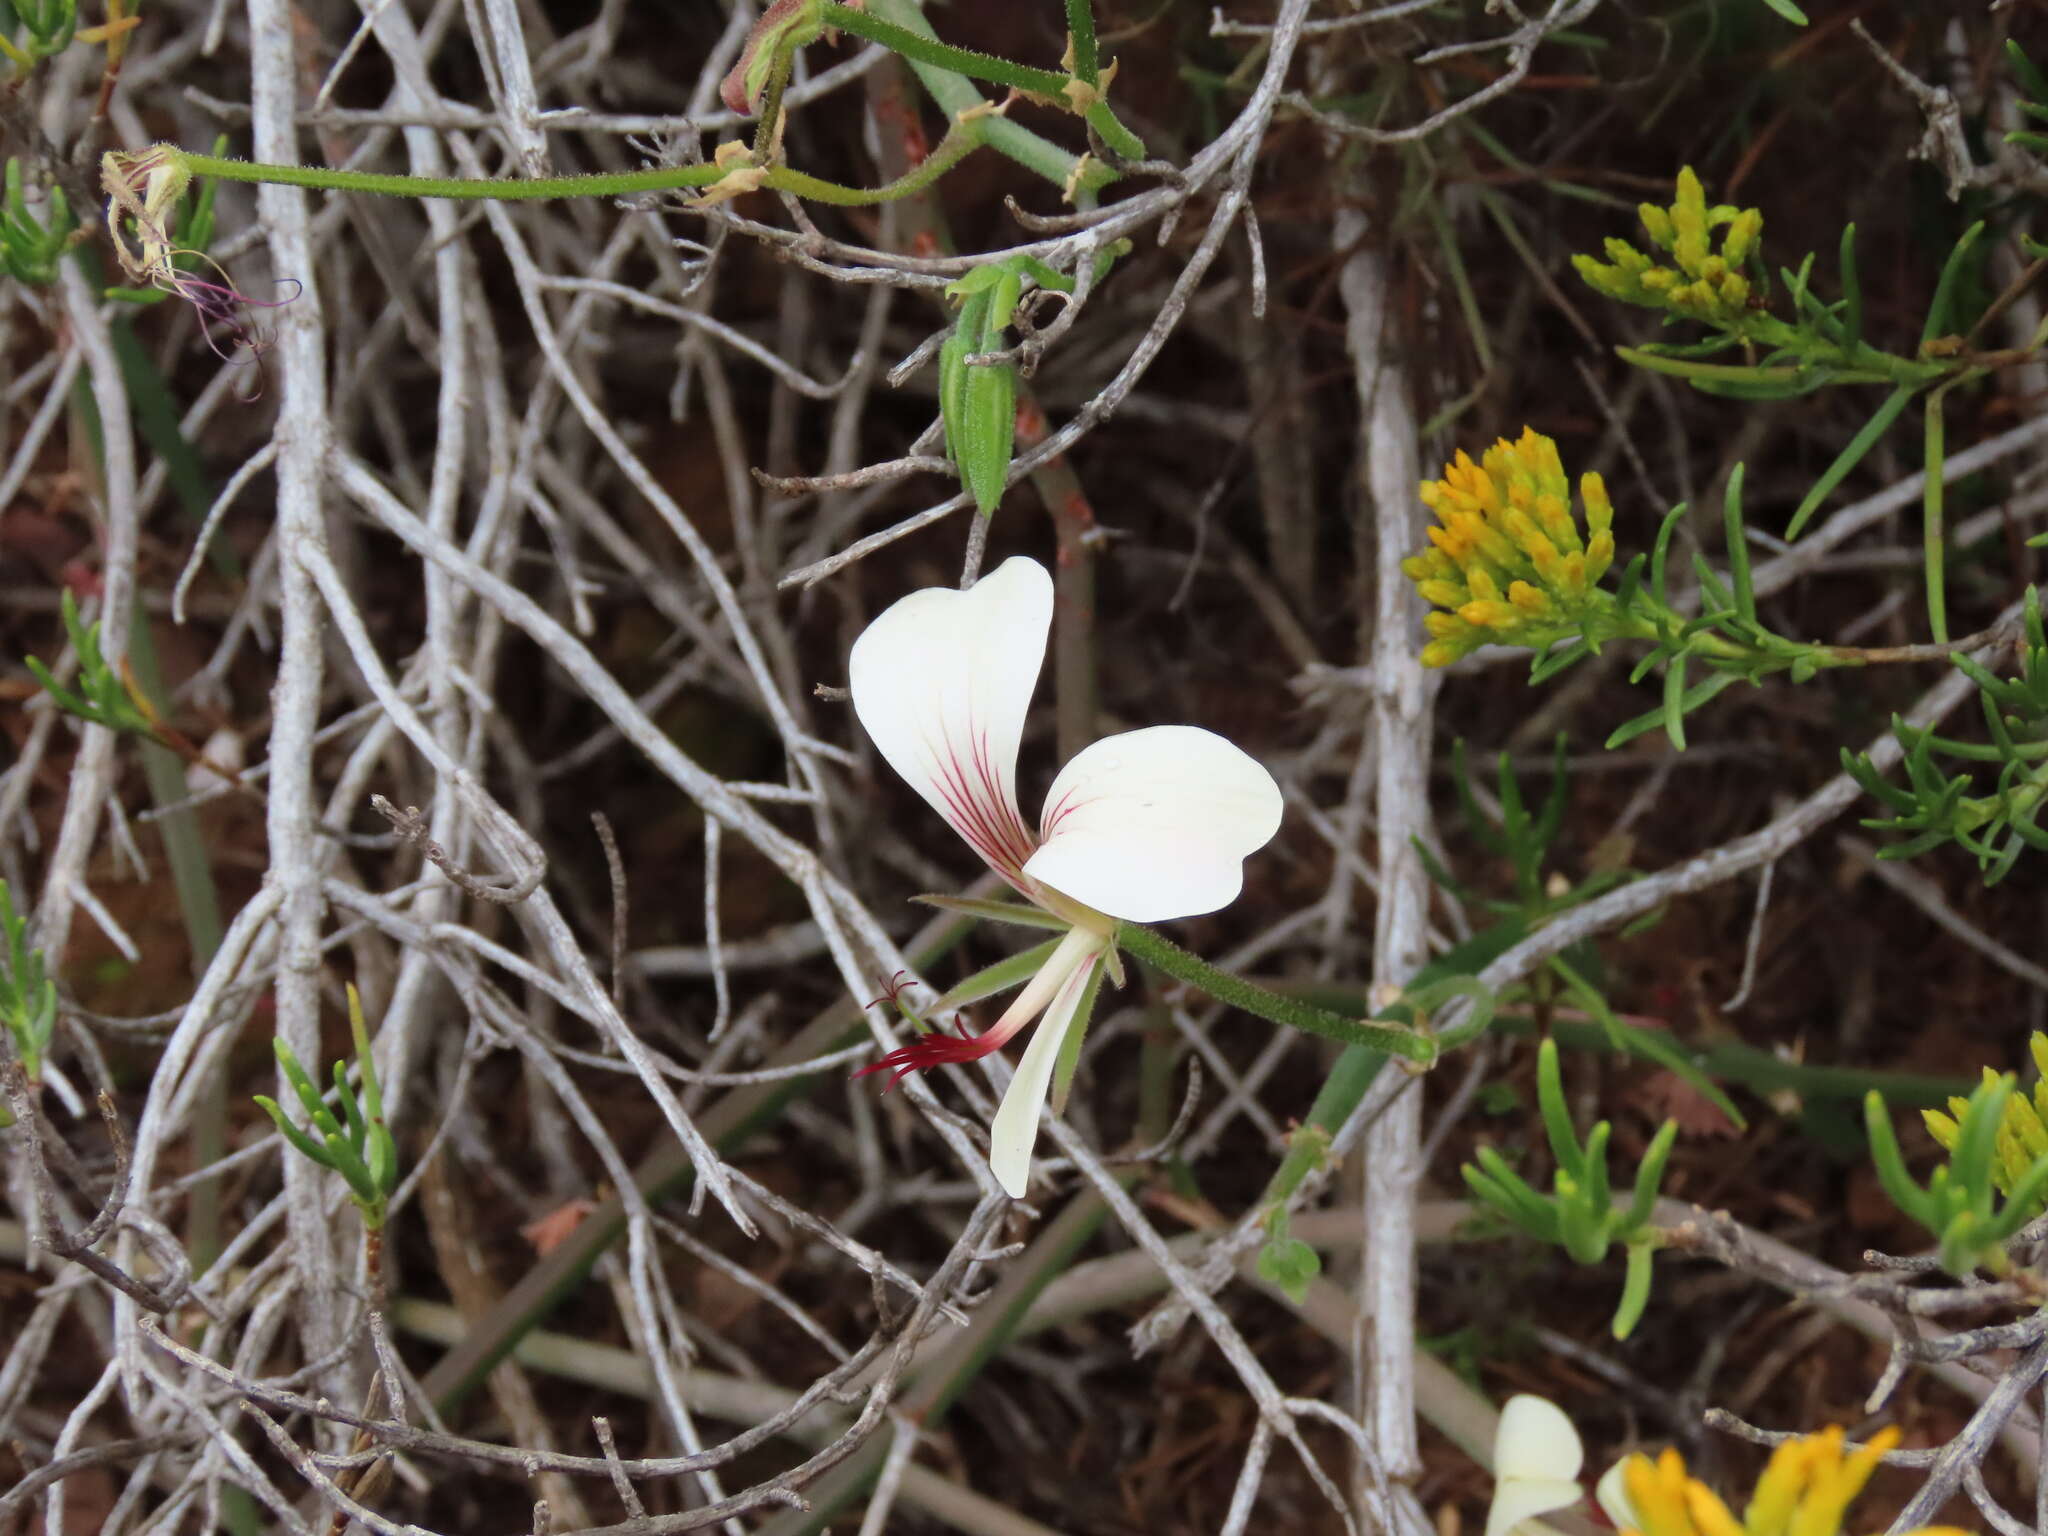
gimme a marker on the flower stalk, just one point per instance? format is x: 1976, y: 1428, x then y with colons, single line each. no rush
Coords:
x: 1416, y: 1047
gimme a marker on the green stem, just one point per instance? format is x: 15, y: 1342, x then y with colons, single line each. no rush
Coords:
x: 770, y: 116
x: 1932, y: 523
x: 1082, y: 58
x: 1868, y: 366
x: 1760, y: 1071
x: 962, y: 141
x: 1158, y: 950
x: 609, y: 184
x: 1118, y: 139
x: 922, y: 48
x: 955, y: 94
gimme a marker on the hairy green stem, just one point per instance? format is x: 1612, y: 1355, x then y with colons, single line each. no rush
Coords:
x: 921, y: 48
x: 960, y: 142
x: 1083, y: 58
x: 770, y: 117
x: 326, y: 178
x: 1157, y: 950
x: 956, y: 94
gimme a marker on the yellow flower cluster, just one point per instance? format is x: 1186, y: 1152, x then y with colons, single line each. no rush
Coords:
x: 2022, y: 1134
x: 1507, y: 565
x: 1805, y: 1491
x: 1702, y: 284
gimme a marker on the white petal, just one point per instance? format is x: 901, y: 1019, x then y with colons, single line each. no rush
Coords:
x: 1014, y: 1131
x: 1523, y: 1498
x: 1155, y: 824
x: 1535, y: 1439
x: 1536, y: 1462
x: 1611, y: 1494
x: 942, y: 680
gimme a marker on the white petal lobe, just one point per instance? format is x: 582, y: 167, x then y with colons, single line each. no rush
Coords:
x: 1014, y: 1131
x: 1536, y: 1462
x: 1155, y: 824
x: 1611, y: 1494
x: 1520, y: 1499
x: 1535, y: 1439
x: 942, y: 680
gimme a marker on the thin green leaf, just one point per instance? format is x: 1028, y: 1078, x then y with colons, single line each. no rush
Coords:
x: 1944, y: 288
x: 1635, y: 1285
x: 1933, y: 538
x: 1852, y: 290
x: 1557, y: 1118
x: 1070, y: 1047
x: 1017, y: 912
x: 1649, y: 1177
x: 1000, y: 977
x: 1850, y: 456
x: 1731, y: 523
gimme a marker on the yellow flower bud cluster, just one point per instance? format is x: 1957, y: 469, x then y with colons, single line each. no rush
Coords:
x: 1806, y: 1489
x: 1506, y: 564
x: 2022, y: 1134
x: 1701, y: 283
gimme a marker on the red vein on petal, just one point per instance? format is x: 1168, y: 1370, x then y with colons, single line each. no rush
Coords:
x: 980, y: 807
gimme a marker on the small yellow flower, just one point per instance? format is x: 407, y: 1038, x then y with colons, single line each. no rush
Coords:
x: 2022, y: 1135
x: 1507, y: 561
x: 1701, y: 283
x: 1806, y: 1490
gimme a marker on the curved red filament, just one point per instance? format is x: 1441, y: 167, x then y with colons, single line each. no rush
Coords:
x: 936, y: 1049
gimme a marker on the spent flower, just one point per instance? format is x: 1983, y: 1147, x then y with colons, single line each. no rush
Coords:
x: 1507, y: 563
x: 160, y: 240
x: 1700, y: 283
x: 1139, y: 827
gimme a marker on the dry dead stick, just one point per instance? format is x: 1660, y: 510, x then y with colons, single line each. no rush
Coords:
x: 470, y: 1288
x: 664, y: 1170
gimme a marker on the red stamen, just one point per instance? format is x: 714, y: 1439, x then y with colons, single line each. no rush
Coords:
x: 933, y: 1050
x: 893, y: 989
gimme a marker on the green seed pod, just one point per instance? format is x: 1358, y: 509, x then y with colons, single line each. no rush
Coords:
x: 978, y: 403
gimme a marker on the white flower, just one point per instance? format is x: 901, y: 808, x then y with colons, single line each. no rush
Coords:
x: 1142, y: 827
x: 1536, y: 1462
x: 1611, y: 1494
